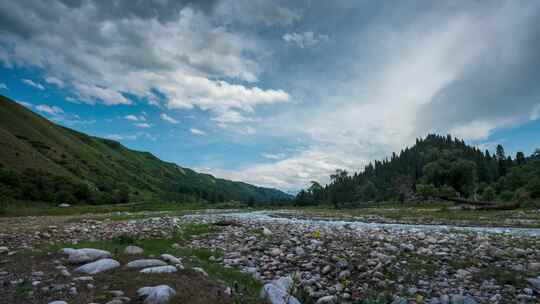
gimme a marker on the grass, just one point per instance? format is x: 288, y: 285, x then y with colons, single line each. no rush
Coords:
x: 119, y: 211
x: 246, y: 288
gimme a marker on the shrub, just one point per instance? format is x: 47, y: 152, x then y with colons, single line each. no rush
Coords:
x: 488, y: 194
x: 507, y: 195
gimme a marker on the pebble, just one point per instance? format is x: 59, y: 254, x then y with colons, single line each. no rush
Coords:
x: 133, y: 250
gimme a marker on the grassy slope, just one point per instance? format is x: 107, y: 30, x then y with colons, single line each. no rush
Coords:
x: 31, y: 141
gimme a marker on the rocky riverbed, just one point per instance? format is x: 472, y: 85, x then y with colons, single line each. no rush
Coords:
x: 300, y: 260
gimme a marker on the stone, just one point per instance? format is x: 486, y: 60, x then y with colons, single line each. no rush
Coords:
x: 133, y: 250
x: 159, y: 269
x: 64, y: 205
x: 399, y: 301
x: 160, y: 294
x: 327, y: 300
x: 344, y: 274
x: 98, y: 266
x: 460, y: 299
x: 171, y: 259
x: 146, y: 263
x: 201, y: 271
x: 277, y: 292
x: 534, y: 267
x: 116, y: 293
x: 275, y: 252
x: 3, y: 250
x: 326, y: 269
x: 266, y: 231
x: 58, y: 302
x: 83, y: 279
x: 84, y: 255
x: 535, y: 283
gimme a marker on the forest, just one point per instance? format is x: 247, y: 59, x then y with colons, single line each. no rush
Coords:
x: 435, y: 167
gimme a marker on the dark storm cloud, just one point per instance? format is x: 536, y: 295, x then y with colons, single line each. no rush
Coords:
x: 163, y: 10
x: 25, y: 17
x: 501, y: 85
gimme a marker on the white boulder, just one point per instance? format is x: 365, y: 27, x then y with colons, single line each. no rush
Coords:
x: 160, y: 294
x: 159, y: 269
x: 144, y: 263
x: 85, y: 255
x: 277, y: 292
x: 98, y: 266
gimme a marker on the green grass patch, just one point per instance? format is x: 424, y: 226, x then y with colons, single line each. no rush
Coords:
x: 246, y: 288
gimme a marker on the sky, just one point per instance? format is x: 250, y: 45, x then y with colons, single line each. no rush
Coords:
x: 277, y: 93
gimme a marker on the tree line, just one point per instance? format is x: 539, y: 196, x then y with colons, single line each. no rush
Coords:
x: 436, y: 166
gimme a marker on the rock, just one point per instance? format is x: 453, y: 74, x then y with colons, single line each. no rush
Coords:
x: 160, y: 294
x: 399, y: 301
x: 116, y: 293
x: 3, y: 250
x: 83, y: 279
x: 146, y: 263
x: 326, y: 269
x: 266, y: 231
x: 133, y: 250
x: 85, y: 255
x: 201, y: 271
x: 344, y: 274
x: 327, y: 300
x: 444, y: 299
x: 159, y: 269
x: 534, y: 267
x: 459, y: 299
x: 58, y: 302
x: 64, y: 205
x: 277, y: 292
x: 98, y: 266
x: 535, y: 283
x: 171, y: 259
x: 275, y: 252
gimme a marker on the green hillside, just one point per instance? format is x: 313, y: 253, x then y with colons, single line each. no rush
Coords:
x: 42, y: 161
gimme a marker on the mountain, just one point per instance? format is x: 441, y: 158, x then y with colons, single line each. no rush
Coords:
x: 42, y: 161
x: 435, y: 166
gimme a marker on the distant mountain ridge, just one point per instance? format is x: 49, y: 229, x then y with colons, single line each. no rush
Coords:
x: 42, y: 161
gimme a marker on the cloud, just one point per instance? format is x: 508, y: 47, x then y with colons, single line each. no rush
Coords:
x: 132, y: 117
x: 3, y: 86
x: 273, y: 156
x: 143, y: 125
x: 256, y: 12
x: 55, y: 81
x: 223, y: 99
x: 291, y: 173
x: 24, y: 103
x: 305, y: 39
x: 52, y: 110
x: 167, y: 118
x: 114, y: 136
x: 397, y: 72
x: 136, y: 136
x: 469, y: 70
x: 175, y: 50
x: 93, y: 93
x: 33, y: 84
x: 197, y: 131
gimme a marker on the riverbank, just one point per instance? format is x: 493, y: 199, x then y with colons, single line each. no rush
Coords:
x: 330, y: 259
